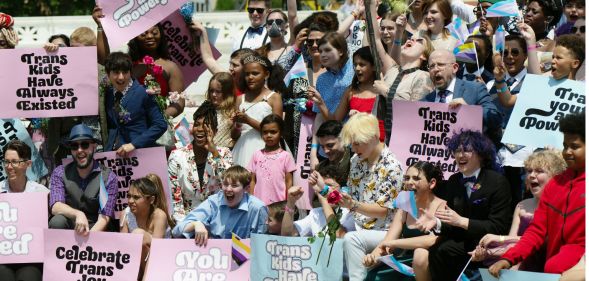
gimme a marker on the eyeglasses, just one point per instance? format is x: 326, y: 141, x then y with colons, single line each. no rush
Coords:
x: 77, y: 145
x: 311, y: 42
x: 438, y: 65
x: 581, y: 29
x: 252, y: 10
x: 463, y: 151
x: 13, y: 163
x: 277, y: 21
x: 513, y: 52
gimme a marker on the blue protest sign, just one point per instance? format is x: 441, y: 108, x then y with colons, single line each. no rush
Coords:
x: 14, y: 129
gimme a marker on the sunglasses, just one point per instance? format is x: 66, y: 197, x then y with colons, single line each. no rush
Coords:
x: 77, y: 145
x: 513, y: 52
x: 580, y: 29
x: 252, y: 10
x: 277, y: 21
x: 311, y: 42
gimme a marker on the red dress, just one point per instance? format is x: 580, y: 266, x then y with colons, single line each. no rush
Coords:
x: 365, y: 105
x: 161, y: 79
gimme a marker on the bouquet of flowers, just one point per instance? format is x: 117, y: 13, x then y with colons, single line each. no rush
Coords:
x: 153, y: 87
x: 330, y: 229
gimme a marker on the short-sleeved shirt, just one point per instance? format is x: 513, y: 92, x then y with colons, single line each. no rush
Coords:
x: 315, y: 221
x: 221, y: 220
x: 332, y: 86
x: 30, y: 186
x: 414, y: 86
x: 378, y: 184
x: 342, y: 167
x: 270, y: 170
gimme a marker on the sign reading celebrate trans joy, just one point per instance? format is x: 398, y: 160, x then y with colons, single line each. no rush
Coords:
x: 541, y: 102
x: 40, y: 84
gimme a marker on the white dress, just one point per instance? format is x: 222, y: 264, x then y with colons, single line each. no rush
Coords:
x: 250, y: 140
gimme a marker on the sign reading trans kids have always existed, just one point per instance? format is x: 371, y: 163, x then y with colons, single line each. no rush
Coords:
x: 541, y: 103
x: 421, y: 131
x: 125, y: 19
x: 100, y: 256
x: 40, y: 84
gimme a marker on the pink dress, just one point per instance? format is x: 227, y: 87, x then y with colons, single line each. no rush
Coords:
x: 270, y: 170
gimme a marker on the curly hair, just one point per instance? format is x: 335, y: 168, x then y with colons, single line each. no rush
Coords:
x: 549, y: 160
x: 479, y: 144
x: 208, y: 111
x: 136, y: 51
x: 573, y: 124
x: 574, y: 44
x: 429, y: 170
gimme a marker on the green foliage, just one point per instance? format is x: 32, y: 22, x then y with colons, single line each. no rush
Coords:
x: 35, y: 8
x: 225, y: 5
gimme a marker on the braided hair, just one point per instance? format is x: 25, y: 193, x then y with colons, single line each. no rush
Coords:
x: 208, y: 111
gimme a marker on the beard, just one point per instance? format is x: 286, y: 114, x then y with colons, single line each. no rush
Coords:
x: 89, y: 160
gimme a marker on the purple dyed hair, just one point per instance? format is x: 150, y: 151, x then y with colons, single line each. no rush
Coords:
x: 479, y: 144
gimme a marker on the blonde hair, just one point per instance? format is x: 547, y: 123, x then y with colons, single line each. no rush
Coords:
x: 227, y: 106
x: 161, y: 201
x: 84, y: 35
x: 361, y: 128
x: 549, y: 160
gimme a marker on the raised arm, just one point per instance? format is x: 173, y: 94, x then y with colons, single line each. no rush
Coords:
x: 344, y: 26
x: 101, y: 41
x: 528, y: 34
x: 205, y: 48
x: 293, y: 20
x: 506, y: 99
x: 385, y: 60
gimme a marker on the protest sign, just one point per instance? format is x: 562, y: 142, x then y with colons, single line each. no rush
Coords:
x: 125, y: 19
x: 541, y: 102
x: 421, y: 131
x: 23, y: 216
x: 100, y: 256
x: 277, y: 258
x: 188, y: 58
x: 140, y: 163
x: 181, y: 260
x: 14, y: 129
x: 303, y: 163
x: 40, y: 84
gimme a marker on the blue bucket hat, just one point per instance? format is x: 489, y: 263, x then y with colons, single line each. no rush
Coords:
x: 81, y: 132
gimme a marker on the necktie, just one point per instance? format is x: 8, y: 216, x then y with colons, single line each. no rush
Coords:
x: 510, y: 81
x: 117, y: 102
x: 470, y: 77
x: 257, y: 30
x: 443, y: 94
x: 388, y: 120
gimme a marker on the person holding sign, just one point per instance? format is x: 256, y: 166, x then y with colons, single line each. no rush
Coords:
x: 478, y: 202
x: 231, y: 211
x: 83, y: 192
x: 8, y: 37
x: 17, y: 159
x: 134, y: 119
x: 375, y: 180
x: 559, y: 220
x: 453, y: 91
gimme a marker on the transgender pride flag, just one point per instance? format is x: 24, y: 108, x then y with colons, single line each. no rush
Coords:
x: 458, y: 30
x: 396, y: 265
x: 405, y: 201
x: 507, y: 8
x: 298, y: 70
x: 500, y: 39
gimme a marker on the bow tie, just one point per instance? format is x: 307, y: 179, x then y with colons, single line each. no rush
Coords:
x: 257, y: 30
x: 472, y: 179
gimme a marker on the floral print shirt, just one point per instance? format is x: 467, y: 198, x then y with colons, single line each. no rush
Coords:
x: 187, y: 192
x: 378, y: 184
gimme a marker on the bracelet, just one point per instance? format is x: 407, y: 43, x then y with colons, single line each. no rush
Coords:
x: 532, y: 47
x: 500, y: 81
x: 315, y: 145
x: 288, y: 210
x: 296, y: 49
x: 355, y: 207
x: 99, y: 29
x: 501, y: 238
x: 502, y: 90
x: 397, y: 42
x: 325, y: 190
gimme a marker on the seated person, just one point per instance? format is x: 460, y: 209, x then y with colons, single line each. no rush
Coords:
x: 231, y: 210
x: 17, y: 159
x: 559, y: 220
x: 541, y: 166
x: 323, y: 182
x: 421, y: 177
x: 275, y: 217
x: 338, y: 155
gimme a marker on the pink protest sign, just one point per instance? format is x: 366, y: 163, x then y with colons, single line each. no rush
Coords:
x: 303, y: 171
x: 23, y: 216
x: 182, y: 53
x: 141, y: 162
x: 421, y: 131
x: 181, y: 259
x: 100, y: 256
x: 125, y: 19
x: 40, y: 84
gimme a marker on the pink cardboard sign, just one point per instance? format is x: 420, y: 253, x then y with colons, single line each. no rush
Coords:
x: 40, y: 84
x: 23, y: 216
x: 141, y: 162
x: 100, y: 256
x: 181, y: 259
x: 421, y: 131
x: 303, y: 163
x: 125, y: 19
x: 182, y: 53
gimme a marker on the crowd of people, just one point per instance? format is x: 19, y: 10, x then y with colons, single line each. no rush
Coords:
x: 508, y: 207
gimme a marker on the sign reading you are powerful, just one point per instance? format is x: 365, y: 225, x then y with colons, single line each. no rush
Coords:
x: 541, y: 103
x: 421, y: 131
x: 40, y: 84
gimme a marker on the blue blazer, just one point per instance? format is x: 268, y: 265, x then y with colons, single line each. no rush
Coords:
x: 146, y: 122
x: 474, y: 93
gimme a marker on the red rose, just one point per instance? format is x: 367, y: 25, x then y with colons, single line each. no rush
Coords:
x: 148, y: 60
x: 334, y: 197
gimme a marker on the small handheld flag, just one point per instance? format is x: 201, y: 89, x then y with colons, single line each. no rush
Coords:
x: 240, y: 252
x: 507, y: 8
x: 298, y: 70
x: 500, y: 39
x: 405, y: 201
x: 396, y: 265
x: 466, y: 52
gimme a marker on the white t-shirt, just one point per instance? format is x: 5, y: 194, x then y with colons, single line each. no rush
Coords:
x: 315, y: 221
x: 31, y: 186
x: 356, y: 36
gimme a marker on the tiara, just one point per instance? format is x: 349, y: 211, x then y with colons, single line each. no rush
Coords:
x: 256, y: 59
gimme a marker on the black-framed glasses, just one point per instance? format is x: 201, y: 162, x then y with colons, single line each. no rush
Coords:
x: 581, y: 29
x: 13, y: 163
x: 277, y: 21
x: 252, y: 10
x: 311, y: 42
x: 77, y: 145
x: 513, y: 52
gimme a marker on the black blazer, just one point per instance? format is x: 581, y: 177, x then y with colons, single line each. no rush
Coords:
x: 488, y: 208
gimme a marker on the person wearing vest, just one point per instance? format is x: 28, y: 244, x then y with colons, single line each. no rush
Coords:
x: 83, y: 192
x: 256, y: 35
